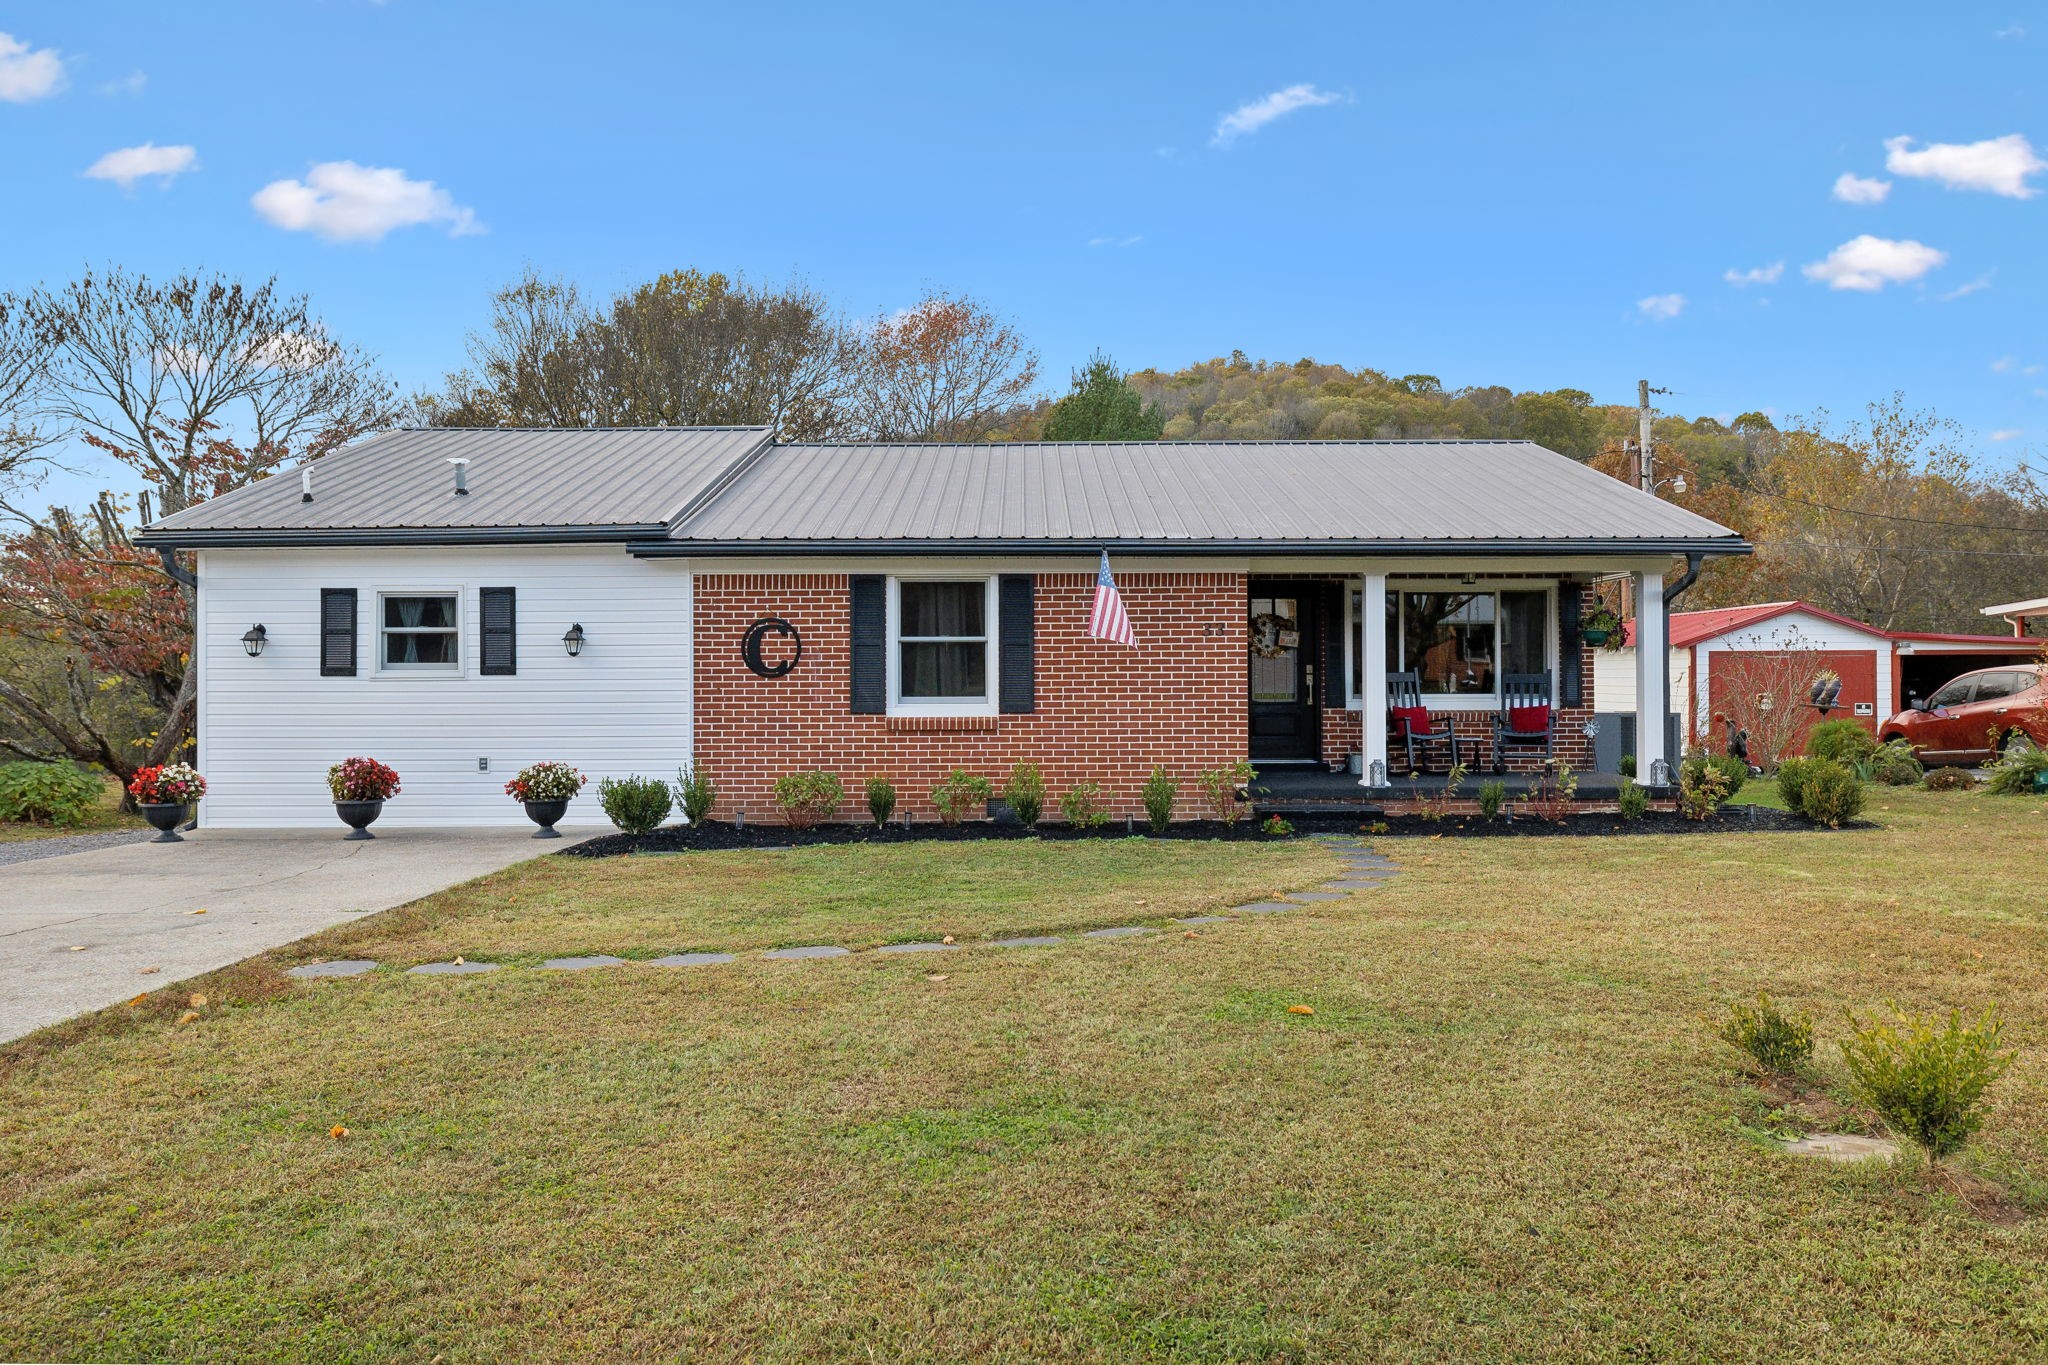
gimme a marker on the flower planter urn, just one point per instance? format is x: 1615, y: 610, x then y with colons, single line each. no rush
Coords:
x: 165, y: 818
x: 357, y: 815
x: 544, y: 814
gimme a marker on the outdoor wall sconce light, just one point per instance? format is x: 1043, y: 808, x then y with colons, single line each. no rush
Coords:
x: 253, y: 640
x: 572, y: 640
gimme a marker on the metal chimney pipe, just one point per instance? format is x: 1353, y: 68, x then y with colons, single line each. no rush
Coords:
x: 461, y: 463
x: 306, y: 483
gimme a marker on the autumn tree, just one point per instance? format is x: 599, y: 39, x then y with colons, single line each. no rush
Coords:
x: 948, y: 368
x: 24, y: 371
x: 1100, y: 406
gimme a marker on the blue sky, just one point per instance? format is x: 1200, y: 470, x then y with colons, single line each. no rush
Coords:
x: 1530, y: 196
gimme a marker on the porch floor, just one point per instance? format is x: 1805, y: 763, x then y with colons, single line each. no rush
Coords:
x: 1305, y: 790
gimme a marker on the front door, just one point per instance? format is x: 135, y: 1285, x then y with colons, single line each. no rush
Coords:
x: 1285, y: 724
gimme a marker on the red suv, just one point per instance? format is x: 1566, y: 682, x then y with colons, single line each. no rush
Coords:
x: 1970, y: 719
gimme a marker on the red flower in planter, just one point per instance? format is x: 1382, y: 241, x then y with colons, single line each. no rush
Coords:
x: 167, y: 784
x: 362, y: 779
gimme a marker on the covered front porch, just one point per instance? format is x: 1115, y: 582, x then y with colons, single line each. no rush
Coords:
x: 1484, y: 662
x: 1317, y: 791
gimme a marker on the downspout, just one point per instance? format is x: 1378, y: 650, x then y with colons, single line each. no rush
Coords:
x: 1693, y: 560
x: 168, y: 558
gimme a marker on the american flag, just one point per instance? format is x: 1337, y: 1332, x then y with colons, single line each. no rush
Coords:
x: 1108, y: 621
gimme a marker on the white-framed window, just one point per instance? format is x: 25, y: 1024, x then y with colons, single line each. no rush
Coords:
x: 419, y: 632
x: 1460, y: 638
x: 942, y: 645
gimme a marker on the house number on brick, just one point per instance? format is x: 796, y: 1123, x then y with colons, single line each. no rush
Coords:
x: 754, y: 642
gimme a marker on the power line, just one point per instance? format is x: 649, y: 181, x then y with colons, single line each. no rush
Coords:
x: 1903, y: 549
x: 1900, y: 516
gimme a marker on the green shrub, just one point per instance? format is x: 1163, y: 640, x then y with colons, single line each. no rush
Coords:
x: 1831, y: 794
x: 695, y: 792
x: 805, y: 799
x: 960, y: 795
x: 1949, y: 780
x: 1025, y: 791
x: 1840, y: 741
x: 48, y: 793
x: 635, y: 804
x: 1083, y: 805
x: 881, y: 799
x: 1627, y: 766
x: 1276, y: 826
x: 1927, y: 1079
x: 1774, y: 1040
x: 1220, y: 787
x: 1895, y: 764
x: 1792, y: 775
x: 1632, y: 799
x: 1703, y: 785
x: 1492, y: 796
x: 1158, y: 794
x: 2013, y: 775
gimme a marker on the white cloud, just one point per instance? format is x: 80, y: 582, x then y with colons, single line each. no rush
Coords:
x: 130, y: 164
x: 1115, y: 241
x: 2005, y: 364
x: 1856, y: 189
x: 344, y: 202
x: 1661, y: 307
x: 134, y: 83
x: 2010, y: 33
x: 1763, y: 274
x: 2007, y: 434
x: 28, y: 73
x: 1999, y: 165
x: 1870, y: 263
x: 1983, y: 281
x: 1249, y: 118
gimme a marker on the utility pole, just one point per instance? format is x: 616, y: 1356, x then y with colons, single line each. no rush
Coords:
x: 1645, y: 478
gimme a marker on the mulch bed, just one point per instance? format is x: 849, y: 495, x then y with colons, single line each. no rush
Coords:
x: 718, y: 834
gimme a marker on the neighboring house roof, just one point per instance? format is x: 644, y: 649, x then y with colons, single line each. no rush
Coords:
x: 1689, y: 628
x: 681, y: 491
x: 553, y: 484
x: 2033, y: 606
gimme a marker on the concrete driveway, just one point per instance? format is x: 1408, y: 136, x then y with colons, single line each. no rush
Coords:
x: 76, y: 930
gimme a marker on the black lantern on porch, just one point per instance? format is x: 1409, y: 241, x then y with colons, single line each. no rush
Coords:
x: 253, y: 640
x: 572, y: 640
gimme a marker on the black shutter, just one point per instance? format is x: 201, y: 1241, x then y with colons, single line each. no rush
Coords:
x: 337, y: 632
x: 868, y: 621
x: 498, y: 609
x: 1016, y: 666
x: 1336, y: 681
x: 1571, y: 689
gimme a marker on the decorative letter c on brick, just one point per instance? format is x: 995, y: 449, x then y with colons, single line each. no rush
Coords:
x: 757, y: 634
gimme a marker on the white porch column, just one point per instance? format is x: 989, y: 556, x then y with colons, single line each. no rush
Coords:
x: 1372, y: 670
x: 1653, y: 678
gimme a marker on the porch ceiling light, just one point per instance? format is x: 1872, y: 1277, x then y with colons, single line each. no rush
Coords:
x: 253, y: 640
x: 572, y: 640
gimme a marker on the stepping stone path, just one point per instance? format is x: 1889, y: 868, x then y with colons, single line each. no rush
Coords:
x: 1844, y: 1147
x: 1364, y: 870
x: 350, y: 966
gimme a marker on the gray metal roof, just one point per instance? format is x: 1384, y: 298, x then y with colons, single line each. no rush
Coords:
x: 615, y: 480
x: 684, y: 490
x: 1235, y: 493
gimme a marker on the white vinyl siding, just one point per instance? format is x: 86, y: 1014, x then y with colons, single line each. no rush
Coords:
x: 270, y: 726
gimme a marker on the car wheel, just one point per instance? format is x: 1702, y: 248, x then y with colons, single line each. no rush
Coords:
x: 2017, y: 744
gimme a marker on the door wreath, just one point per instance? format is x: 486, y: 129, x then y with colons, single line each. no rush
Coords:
x: 1268, y: 631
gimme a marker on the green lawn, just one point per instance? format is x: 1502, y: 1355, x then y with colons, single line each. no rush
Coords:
x: 1503, y: 1135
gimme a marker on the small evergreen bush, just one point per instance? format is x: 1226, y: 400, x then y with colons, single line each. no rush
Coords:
x: 1775, y: 1041
x: 636, y: 805
x: 1627, y: 766
x: 48, y: 793
x: 695, y: 792
x: 1220, y: 787
x: 1632, y: 799
x: 881, y: 799
x: 2013, y: 775
x: 1925, y: 1078
x: 1025, y: 791
x: 962, y: 794
x: 1158, y: 794
x: 1831, y: 794
x: 1493, y: 795
x: 1702, y: 786
x: 1840, y: 741
x: 805, y: 799
x: 1792, y: 775
x: 1083, y: 806
x: 1895, y: 764
x: 1948, y: 780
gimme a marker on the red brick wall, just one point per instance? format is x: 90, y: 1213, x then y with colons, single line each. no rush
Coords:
x: 1105, y: 713
x: 1342, y: 734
